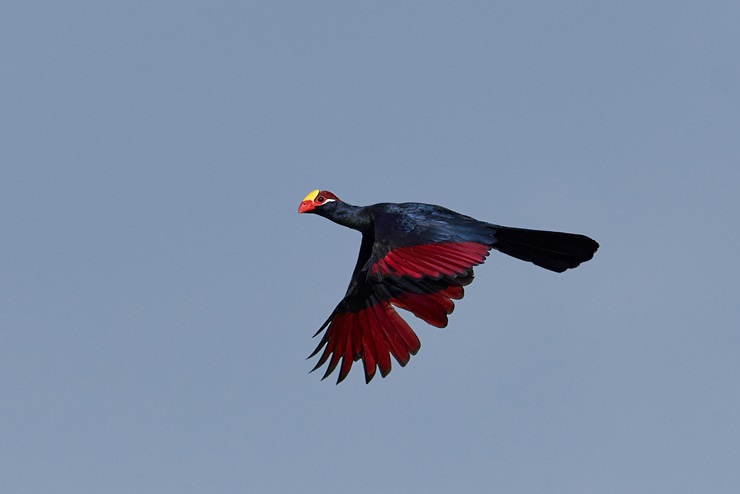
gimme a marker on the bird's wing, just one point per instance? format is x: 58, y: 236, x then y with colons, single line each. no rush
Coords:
x: 418, y: 261
x: 427, y: 242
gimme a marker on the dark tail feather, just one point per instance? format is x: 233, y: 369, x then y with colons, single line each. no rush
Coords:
x: 555, y: 251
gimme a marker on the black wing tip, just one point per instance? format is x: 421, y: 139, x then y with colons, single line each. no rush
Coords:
x: 329, y: 370
x: 315, y: 367
x: 323, y: 326
x: 342, y: 377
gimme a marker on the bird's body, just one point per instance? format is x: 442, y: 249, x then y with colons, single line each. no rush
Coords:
x: 417, y: 257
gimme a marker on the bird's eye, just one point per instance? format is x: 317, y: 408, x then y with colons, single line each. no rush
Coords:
x: 320, y: 199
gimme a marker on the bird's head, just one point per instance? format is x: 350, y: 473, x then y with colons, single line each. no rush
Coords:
x: 316, y: 200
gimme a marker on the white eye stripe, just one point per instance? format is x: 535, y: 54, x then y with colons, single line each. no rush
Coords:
x: 328, y: 200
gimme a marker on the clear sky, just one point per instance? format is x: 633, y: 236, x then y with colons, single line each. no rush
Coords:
x: 158, y: 290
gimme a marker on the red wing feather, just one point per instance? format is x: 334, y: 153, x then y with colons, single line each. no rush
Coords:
x: 433, y: 260
x: 431, y: 307
x: 373, y: 334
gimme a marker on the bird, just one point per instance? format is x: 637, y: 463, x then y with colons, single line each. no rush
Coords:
x: 417, y: 257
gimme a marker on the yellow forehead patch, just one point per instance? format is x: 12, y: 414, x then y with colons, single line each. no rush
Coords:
x: 311, y: 195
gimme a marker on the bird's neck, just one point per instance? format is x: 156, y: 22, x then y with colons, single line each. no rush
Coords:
x: 355, y: 217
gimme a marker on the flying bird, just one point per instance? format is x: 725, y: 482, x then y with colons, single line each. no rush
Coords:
x: 417, y: 257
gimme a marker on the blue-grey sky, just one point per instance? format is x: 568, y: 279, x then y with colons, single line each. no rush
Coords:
x: 158, y: 290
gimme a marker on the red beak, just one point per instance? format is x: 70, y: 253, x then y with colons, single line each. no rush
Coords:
x: 305, y: 206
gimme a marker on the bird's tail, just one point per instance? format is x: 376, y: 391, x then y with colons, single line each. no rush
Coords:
x: 555, y: 251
